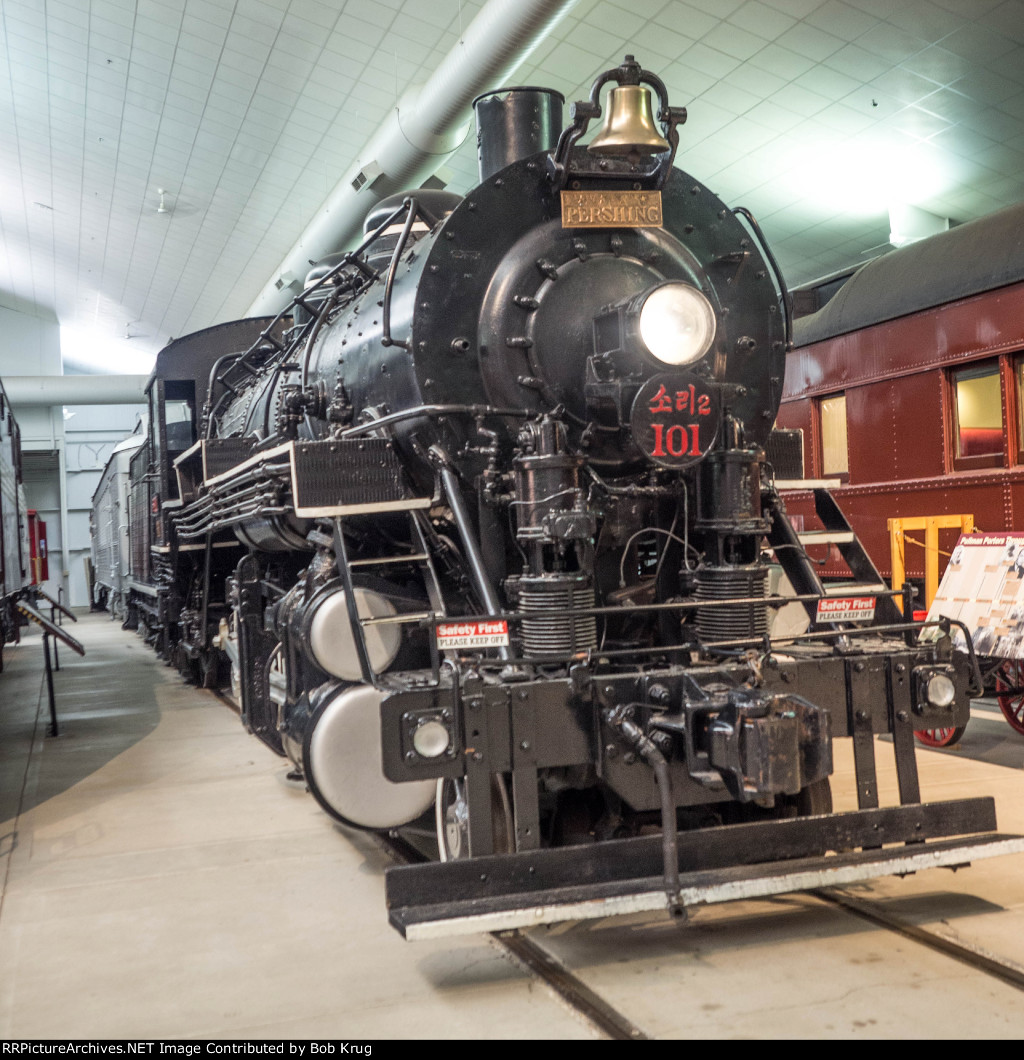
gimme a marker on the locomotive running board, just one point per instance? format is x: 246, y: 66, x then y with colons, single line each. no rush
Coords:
x: 504, y: 891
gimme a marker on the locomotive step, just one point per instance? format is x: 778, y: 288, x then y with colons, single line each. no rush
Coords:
x: 825, y: 537
x: 808, y: 483
x: 727, y: 863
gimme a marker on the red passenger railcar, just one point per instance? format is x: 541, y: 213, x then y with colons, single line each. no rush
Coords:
x: 908, y: 387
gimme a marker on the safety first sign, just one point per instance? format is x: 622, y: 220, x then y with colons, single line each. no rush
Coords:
x: 846, y: 609
x: 451, y: 635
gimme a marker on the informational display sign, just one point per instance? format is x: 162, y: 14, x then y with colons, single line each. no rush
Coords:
x: 983, y: 587
x: 846, y: 609
x: 454, y: 635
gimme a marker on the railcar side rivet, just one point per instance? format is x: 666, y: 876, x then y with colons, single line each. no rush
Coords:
x: 858, y: 667
x: 435, y: 268
x: 524, y: 745
x: 902, y: 715
x: 478, y: 756
x: 901, y: 668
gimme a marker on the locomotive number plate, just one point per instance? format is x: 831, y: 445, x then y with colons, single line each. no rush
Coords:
x: 611, y: 209
x: 472, y: 634
x: 675, y: 419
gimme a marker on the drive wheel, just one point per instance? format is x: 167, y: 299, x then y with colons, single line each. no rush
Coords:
x: 940, y: 737
x: 1010, y: 692
x: 451, y: 815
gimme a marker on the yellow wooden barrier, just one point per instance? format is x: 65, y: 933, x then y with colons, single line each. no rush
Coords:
x: 931, y: 525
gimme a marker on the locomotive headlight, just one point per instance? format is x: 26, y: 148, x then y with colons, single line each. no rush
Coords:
x: 677, y: 324
x: 672, y: 323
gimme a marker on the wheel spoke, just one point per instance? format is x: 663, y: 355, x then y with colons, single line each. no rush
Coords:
x: 1009, y: 693
x: 944, y: 737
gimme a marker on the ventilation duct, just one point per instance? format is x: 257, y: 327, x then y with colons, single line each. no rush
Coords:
x: 425, y: 128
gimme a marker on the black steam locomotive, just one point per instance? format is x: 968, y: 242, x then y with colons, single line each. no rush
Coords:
x: 481, y: 526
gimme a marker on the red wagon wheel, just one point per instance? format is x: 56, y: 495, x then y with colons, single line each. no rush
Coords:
x: 940, y: 737
x: 1010, y: 692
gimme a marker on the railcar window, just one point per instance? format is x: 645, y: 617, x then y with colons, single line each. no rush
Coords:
x: 979, y: 414
x: 834, y: 457
x: 1018, y: 371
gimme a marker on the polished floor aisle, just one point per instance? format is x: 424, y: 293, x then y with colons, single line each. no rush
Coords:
x: 162, y: 879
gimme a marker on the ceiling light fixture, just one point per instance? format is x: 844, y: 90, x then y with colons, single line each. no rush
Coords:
x: 162, y: 206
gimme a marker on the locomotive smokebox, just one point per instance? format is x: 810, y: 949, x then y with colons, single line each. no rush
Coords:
x: 514, y: 123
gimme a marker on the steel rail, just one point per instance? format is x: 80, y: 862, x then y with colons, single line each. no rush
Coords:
x: 1010, y: 973
x: 537, y: 960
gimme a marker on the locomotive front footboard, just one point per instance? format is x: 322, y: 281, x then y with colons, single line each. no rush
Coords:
x: 751, y: 733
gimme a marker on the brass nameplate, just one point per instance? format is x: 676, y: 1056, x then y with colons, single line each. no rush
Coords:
x: 611, y: 209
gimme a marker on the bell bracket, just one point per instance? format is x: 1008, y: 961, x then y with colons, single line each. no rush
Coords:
x: 563, y: 167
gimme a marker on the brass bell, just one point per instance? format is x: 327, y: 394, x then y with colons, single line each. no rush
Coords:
x: 628, y: 124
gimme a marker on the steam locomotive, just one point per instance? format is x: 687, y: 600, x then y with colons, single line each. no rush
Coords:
x: 480, y: 524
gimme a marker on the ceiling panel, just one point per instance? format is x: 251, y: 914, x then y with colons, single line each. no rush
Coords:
x: 248, y: 112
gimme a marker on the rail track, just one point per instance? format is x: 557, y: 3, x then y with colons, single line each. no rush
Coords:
x: 528, y: 950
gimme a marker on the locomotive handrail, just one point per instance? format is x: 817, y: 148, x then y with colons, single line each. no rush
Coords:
x: 408, y: 204
x: 765, y: 643
x: 432, y: 410
x: 787, y: 306
x: 676, y: 605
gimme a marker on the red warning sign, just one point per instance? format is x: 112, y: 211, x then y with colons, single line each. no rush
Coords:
x: 483, y: 634
x: 846, y: 609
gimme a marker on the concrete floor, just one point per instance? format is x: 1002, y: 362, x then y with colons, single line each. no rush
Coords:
x: 161, y: 879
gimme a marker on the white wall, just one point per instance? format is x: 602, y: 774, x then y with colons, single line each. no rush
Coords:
x: 90, y: 434
x: 29, y: 345
x: 80, y: 445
